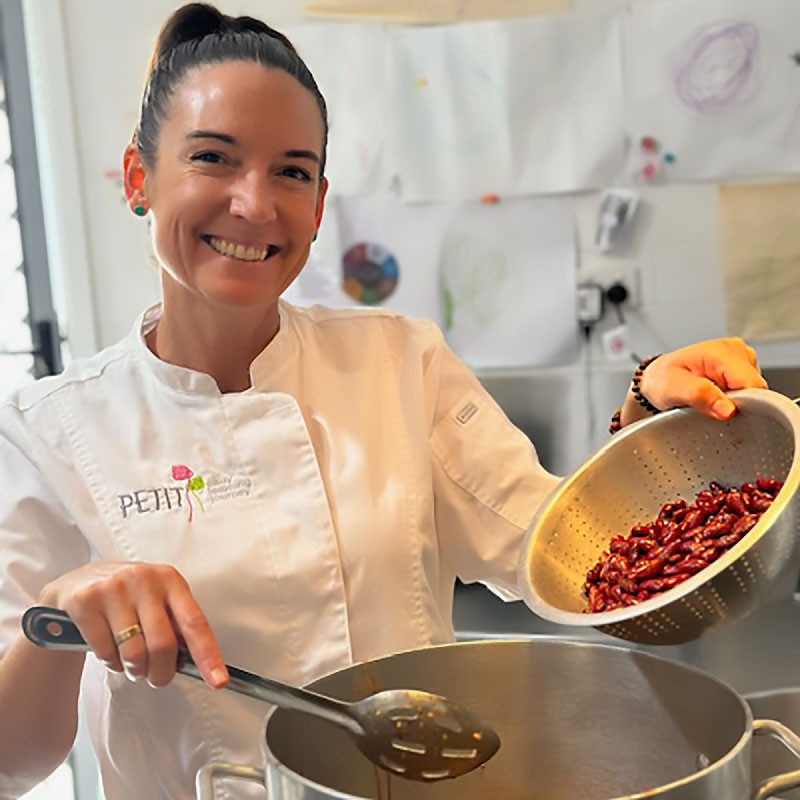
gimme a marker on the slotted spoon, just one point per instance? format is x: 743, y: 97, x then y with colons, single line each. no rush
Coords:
x: 410, y: 733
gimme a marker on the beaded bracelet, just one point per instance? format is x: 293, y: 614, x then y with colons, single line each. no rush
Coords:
x: 616, y: 419
x: 636, y: 385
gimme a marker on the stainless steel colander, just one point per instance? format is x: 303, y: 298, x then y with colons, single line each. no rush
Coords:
x: 656, y: 461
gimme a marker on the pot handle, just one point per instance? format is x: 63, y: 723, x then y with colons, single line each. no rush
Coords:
x: 790, y: 740
x: 204, y: 782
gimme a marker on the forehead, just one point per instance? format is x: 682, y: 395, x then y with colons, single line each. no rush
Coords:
x: 251, y: 102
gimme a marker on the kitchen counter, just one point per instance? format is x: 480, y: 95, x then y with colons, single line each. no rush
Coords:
x: 759, y: 653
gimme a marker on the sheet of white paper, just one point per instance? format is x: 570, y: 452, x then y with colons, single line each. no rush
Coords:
x: 508, y: 280
x: 350, y: 63
x: 716, y: 83
x: 510, y: 108
x: 393, y: 249
x: 500, y: 280
x: 760, y: 237
x: 431, y: 11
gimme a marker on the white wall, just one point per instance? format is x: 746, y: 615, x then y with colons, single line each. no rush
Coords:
x: 87, y: 55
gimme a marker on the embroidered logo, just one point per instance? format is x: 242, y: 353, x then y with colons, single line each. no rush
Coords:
x: 195, y: 490
x: 194, y: 483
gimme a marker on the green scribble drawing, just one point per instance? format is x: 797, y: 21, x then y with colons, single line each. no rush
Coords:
x: 476, y: 283
x: 447, y: 308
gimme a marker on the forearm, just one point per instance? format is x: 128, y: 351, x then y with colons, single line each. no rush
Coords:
x: 38, y: 714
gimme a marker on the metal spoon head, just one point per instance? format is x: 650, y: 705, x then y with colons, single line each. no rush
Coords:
x: 421, y: 736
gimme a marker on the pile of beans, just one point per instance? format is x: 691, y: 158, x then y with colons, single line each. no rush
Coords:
x: 684, y: 539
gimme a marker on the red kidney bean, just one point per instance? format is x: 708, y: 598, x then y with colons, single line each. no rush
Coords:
x: 669, y: 509
x: 719, y: 526
x: 690, y: 564
x: 657, y: 585
x: 695, y: 518
x: 682, y: 541
x: 727, y: 541
x: 619, y: 544
x: 758, y: 501
x: 745, y: 524
x: 597, y: 599
x: 769, y: 485
x: 735, y: 503
x: 593, y: 575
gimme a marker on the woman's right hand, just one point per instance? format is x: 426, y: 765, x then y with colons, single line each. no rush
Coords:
x: 106, y: 597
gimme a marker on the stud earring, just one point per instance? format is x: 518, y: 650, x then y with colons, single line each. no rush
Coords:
x: 140, y: 211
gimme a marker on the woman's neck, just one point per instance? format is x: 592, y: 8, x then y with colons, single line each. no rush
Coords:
x: 221, y: 343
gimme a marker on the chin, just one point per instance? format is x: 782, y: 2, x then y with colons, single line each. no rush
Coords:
x: 243, y: 297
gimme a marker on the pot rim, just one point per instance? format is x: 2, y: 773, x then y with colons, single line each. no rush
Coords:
x: 272, y: 761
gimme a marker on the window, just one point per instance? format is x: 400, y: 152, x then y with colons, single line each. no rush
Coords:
x: 29, y: 342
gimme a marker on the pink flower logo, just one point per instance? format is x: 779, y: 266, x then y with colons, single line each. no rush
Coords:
x: 194, y: 483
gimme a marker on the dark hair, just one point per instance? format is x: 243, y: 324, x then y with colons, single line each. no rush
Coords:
x: 198, y: 34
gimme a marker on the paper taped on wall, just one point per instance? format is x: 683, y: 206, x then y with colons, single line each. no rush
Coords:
x: 431, y: 11
x: 760, y: 229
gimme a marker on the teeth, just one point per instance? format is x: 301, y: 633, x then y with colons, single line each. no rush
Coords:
x: 237, y: 250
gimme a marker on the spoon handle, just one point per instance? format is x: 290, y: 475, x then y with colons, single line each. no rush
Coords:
x: 53, y: 629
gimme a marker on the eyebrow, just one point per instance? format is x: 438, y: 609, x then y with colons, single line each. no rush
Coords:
x: 224, y: 137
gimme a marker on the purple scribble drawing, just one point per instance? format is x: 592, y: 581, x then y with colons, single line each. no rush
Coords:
x: 717, y: 67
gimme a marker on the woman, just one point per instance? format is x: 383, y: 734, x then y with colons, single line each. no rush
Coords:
x: 294, y: 489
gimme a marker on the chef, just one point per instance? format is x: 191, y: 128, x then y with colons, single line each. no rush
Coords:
x: 288, y: 490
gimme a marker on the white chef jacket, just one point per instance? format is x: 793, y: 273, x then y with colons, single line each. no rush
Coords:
x: 320, y: 517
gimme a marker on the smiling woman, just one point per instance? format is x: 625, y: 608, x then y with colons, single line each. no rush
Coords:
x: 234, y: 189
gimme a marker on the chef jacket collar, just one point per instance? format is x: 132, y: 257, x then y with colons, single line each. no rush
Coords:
x: 267, y: 371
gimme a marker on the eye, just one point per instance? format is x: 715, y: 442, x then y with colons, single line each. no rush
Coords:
x: 298, y: 173
x: 207, y: 157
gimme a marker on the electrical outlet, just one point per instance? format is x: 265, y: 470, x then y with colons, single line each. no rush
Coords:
x: 607, y: 274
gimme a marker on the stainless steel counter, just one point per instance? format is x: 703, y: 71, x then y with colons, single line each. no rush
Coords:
x: 761, y: 652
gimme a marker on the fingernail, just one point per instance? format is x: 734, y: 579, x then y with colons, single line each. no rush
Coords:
x: 724, y: 408
x: 128, y: 670
x: 218, y: 676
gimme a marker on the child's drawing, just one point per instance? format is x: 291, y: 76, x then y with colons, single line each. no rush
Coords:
x: 717, y: 67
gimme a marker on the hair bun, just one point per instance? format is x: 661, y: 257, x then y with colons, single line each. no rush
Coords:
x: 190, y: 22
x: 193, y: 21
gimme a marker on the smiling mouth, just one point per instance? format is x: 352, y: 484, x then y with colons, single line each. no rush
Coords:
x: 239, y: 251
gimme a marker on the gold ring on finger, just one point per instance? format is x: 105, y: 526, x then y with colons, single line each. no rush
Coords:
x: 127, y: 633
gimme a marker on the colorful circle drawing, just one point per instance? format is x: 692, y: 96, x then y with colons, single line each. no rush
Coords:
x: 370, y: 273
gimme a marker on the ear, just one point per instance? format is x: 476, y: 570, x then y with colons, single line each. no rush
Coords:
x: 323, y: 190
x: 134, y: 175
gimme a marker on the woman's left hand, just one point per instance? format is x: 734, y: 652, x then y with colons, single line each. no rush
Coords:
x: 697, y: 376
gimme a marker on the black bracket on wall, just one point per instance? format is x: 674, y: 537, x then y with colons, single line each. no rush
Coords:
x: 47, y: 349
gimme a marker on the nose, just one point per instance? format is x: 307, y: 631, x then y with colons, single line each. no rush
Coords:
x: 253, y: 199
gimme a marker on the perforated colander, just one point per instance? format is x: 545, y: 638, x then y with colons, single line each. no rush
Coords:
x: 669, y: 456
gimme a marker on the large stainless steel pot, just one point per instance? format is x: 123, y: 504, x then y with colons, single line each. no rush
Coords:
x: 782, y: 705
x: 577, y: 722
